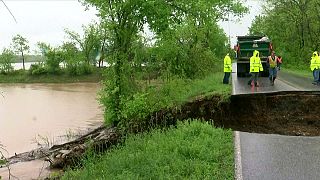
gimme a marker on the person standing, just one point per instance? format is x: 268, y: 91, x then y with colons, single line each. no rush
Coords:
x: 272, y: 64
x: 255, y: 68
x: 315, y: 67
x: 227, y: 69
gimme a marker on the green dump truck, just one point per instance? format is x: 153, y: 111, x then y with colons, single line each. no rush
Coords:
x: 244, y: 50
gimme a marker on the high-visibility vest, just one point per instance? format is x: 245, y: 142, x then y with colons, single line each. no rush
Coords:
x: 273, y: 62
x: 315, y: 61
x: 255, y: 62
x: 227, y: 64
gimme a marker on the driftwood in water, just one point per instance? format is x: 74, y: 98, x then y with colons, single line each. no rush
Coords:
x: 68, y: 154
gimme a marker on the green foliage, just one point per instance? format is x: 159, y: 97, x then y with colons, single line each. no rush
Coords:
x: 20, y: 45
x: 21, y: 76
x: 194, y: 150
x: 115, y: 91
x: 37, y: 69
x: 191, y: 50
x: 170, y: 94
x: 87, y: 43
x: 6, y: 59
x: 193, y: 24
x: 54, y: 58
x: 293, y: 27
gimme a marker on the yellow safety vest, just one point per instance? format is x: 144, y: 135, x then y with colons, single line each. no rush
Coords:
x: 273, y: 63
x: 315, y: 63
x: 255, y: 63
x: 227, y: 64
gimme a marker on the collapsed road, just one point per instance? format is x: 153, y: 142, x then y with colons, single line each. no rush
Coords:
x: 272, y: 156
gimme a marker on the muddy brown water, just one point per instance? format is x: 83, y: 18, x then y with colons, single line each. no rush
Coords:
x: 42, y: 114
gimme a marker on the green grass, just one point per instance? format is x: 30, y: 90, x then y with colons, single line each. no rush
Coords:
x: 169, y: 95
x: 211, y: 84
x: 193, y: 150
x: 298, y: 69
x: 302, y: 72
x: 21, y: 76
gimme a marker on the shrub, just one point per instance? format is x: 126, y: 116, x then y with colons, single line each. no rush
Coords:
x: 37, y: 69
x: 6, y: 59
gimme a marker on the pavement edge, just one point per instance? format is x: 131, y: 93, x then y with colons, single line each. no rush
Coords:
x: 238, y: 166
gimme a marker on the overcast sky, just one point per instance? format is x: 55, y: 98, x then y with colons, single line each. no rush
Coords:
x: 45, y: 20
x: 42, y: 20
x: 240, y: 28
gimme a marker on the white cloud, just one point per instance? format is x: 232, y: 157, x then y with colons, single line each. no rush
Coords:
x: 42, y: 20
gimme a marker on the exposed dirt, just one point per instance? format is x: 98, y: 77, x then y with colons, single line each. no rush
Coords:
x: 286, y: 113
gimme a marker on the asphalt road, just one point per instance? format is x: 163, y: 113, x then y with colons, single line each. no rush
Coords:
x: 275, y: 157
x: 284, y: 82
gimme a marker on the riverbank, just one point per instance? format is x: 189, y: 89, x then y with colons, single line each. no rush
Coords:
x: 21, y: 76
x: 179, y: 100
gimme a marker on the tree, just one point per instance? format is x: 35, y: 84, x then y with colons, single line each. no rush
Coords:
x: 6, y: 59
x: 293, y: 27
x: 86, y: 43
x: 20, y: 45
x: 126, y: 18
x: 43, y: 48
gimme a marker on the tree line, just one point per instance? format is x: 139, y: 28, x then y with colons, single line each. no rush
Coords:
x: 293, y: 26
x: 77, y: 55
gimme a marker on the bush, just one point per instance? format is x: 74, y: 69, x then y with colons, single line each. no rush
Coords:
x: 79, y: 69
x: 84, y: 69
x: 6, y: 59
x: 37, y: 69
x: 54, y: 58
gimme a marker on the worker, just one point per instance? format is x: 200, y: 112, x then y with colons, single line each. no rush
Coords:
x: 273, y: 64
x: 315, y: 67
x: 227, y: 69
x: 255, y: 68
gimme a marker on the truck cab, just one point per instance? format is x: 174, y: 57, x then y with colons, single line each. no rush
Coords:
x: 244, y: 50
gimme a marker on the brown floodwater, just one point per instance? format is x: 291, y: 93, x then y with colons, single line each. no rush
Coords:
x: 46, y: 114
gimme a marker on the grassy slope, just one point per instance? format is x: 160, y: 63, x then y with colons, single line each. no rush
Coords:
x: 24, y: 77
x: 302, y: 72
x: 193, y: 150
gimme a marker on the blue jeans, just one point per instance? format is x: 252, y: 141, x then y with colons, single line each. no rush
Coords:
x: 226, y: 78
x: 316, y: 73
x: 273, y: 73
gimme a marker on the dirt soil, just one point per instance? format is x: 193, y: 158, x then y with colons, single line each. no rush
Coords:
x: 285, y: 113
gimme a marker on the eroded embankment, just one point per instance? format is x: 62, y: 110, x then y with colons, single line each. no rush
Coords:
x: 286, y: 113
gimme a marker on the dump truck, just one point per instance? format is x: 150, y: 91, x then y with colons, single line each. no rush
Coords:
x: 244, y: 50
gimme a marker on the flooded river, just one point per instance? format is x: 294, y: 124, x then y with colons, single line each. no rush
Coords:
x: 34, y: 114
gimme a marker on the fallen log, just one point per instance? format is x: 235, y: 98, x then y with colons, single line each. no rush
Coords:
x: 69, y: 154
